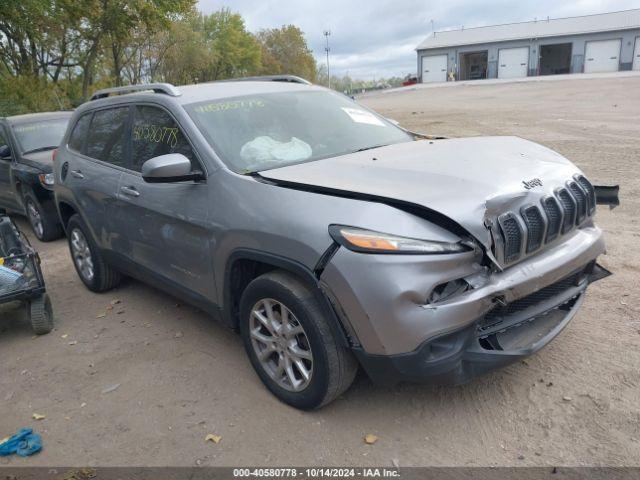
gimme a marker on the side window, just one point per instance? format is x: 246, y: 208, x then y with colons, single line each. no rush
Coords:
x: 4, y: 144
x: 106, y: 137
x: 79, y: 133
x: 155, y: 133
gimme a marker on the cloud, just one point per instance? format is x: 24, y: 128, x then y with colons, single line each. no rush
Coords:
x: 377, y: 38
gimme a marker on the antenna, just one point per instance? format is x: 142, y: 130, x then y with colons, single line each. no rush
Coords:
x: 327, y: 33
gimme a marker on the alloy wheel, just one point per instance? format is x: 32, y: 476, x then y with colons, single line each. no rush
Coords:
x: 35, y: 219
x: 82, y: 254
x: 281, y: 345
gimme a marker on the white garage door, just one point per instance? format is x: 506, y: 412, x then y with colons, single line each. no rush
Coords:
x: 513, y: 62
x: 434, y: 68
x: 636, y: 55
x: 602, y: 56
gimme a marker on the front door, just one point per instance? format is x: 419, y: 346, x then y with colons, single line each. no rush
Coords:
x: 166, y: 224
x: 7, y: 192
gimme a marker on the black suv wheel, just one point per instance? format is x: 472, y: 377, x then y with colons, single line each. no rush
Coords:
x: 290, y: 344
x: 46, y: 227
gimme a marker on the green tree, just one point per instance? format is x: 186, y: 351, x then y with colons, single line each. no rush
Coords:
x: 285, y: 51
x: 231, y: 49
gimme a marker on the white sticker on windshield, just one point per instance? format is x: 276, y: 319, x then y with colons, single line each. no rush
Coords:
x: 362, y: 116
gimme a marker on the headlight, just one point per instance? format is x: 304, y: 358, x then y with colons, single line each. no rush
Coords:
x: 366, y: 241
x: 46, y: 179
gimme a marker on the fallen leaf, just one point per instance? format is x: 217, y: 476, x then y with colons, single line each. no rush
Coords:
x: 83, y: 404
x: 74, y: 342
x: 111, y: 388
x: 64, y: 336
x: 212, y: 438
x: 567, y: 399
x: 370, y: 439
x: 38, y: 416
x: 101, y: 315
x: 115, y: 302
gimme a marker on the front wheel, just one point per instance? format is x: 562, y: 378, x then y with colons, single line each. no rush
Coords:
x: 45, y: 226
x: 290, y: 343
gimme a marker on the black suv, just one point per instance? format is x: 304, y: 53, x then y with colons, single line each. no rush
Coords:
x: 27, y: 146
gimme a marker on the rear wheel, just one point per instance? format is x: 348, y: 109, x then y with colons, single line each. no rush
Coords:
x: 290, y: 343
x: 41, y: 314
x: 92, y: 269
x: 45, y: 226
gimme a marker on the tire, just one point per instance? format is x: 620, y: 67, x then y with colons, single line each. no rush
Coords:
x: 332, y: 367
x: 41, y: 315
x: 103, y: 277
x: 45, y: 226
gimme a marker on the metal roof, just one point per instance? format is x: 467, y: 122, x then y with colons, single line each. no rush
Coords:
x: 554, y: 27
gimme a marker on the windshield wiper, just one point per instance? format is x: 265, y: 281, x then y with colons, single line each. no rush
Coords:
x: 40, y: 149
x: 371, y: 148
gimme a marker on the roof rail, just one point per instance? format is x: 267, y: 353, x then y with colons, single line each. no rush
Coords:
x: 271, y: 78
x: 165, y: 88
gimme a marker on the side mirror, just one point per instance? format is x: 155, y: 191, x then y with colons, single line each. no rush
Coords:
x: 170, y: 168
x: 5, y: 152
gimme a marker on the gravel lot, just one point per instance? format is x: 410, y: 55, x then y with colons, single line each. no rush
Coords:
x: 145, y: 383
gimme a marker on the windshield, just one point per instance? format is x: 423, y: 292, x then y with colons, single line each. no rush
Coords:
x: 45, y: 134
x: 260, y: 132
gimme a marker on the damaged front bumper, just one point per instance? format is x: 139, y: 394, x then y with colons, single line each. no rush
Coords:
x: 398, y: 334
x: 516, y: 331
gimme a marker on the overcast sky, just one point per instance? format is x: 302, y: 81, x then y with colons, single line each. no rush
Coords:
x: 376, y: 38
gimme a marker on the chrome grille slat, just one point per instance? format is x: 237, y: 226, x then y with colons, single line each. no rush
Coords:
x: 569, y: 208
x: 535, y: 224
x: 511, y: 236
x: 590, y: 191
x: 554, y: 217
x: 581, y: 201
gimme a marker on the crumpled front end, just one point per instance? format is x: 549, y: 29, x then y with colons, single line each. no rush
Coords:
x: 405, y: 327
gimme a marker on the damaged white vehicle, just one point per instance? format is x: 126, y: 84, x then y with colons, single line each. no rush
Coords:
x: 327, y: 235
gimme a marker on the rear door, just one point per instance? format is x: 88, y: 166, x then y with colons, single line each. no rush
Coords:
x: 636, y: 55
x: 165, y: 223
x: 602, y: 56
x: 92, y: 171
x: 434, y: 68
x: 513, y: 62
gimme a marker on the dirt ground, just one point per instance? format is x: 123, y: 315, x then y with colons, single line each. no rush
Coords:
x: 146, y: 383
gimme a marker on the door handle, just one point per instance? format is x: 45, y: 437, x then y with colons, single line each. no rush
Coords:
x: 77, y: 174
x: 130, y: 191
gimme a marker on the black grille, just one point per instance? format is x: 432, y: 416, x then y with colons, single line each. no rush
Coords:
x: 554, y: 217
x: 531, y: 300
x: 591, y: 193
x: 512, y: 237
x: 535, y: 227
x: 581, y: 201
x: 569, y: 209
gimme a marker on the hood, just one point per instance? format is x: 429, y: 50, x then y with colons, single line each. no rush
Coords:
x: 469, y: 180
x: 39, y: 160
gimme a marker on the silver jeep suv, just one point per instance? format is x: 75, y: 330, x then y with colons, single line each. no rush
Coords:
x: 327, y: 235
